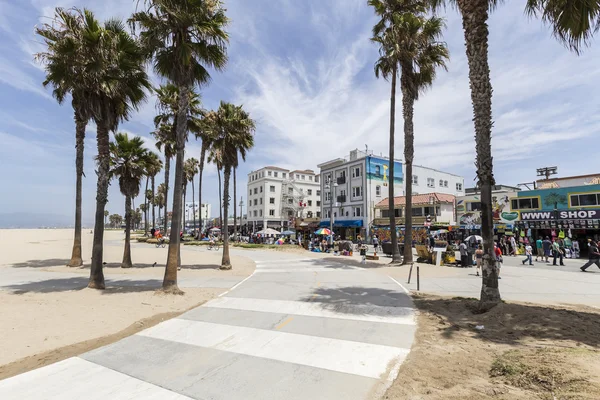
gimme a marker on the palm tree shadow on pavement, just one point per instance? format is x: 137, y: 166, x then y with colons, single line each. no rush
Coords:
x: 49, y: 262
x: 79, y: 283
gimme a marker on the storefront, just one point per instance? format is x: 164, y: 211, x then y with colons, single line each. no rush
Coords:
x: 346, y: 229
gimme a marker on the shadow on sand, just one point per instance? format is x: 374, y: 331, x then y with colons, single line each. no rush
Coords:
x: 78, y: 283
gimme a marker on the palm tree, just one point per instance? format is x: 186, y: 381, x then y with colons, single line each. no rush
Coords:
x: 206, y: 134
x: 159, y: 200
x: 128, y: 159
x: 153, y: 167
x: 144, y: 208
x: 235, y: 135
x: 573, y: 22
x: 216, y: 157
x: 115, y: 220
x: 411, y: 40
x: 165, y: 141
x: 106, y: 213
x: 67, y: 66
x: 184, y: 37
x: 191, y: 169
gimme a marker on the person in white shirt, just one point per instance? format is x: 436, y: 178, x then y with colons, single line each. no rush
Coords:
x: 528, y: 254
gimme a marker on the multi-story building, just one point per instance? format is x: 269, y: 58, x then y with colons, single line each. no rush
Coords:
x: 276, y: 196
x: 362, y: 180
x: 568, y: 181
x: 468, y: 208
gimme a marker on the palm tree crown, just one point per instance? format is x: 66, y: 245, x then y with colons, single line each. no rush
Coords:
x: 129, y: 162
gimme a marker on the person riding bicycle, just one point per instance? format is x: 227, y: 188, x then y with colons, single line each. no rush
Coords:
x: 160, y: 237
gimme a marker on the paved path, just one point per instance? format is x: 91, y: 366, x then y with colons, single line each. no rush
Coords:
x: 296, y: 329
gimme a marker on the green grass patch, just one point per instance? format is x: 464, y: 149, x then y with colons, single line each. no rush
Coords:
x: 154, y: 241
x: 196, y: 243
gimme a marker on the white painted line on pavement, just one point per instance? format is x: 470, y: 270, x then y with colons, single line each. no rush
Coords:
x: 76, y: 378
x: 399, y: 284
x: 284, y: 261
x: 238, y: 284
x: 364, y: 359
x: 357, y: 312
x: 307, y: 269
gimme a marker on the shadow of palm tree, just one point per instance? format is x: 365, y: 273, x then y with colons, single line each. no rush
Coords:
x: 78, y: 283
x: 50, y: 262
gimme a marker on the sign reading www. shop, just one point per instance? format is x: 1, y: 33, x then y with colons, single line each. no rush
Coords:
x: 562, y: 214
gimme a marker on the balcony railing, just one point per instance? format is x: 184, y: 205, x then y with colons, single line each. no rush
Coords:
x: 341, y: 198
x: 341, y: 180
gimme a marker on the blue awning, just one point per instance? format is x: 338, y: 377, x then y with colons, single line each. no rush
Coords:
x: 353, y: 223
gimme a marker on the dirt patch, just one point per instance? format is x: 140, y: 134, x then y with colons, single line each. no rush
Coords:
x: 62, y: 353
x: 515, y: 351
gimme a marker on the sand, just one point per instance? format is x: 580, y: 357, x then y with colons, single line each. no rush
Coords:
x: 45, y: 322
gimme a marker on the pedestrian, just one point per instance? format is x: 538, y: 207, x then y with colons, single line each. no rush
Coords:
x: 464, y: 254
x: 575, y: 248
x: 558, y: 252
x: 375, y: 243
x: 499, y: 260
x: 431, y: 243
x: 594, y: 256
x: 539, y: 249
x: 479, y: 257
x: 528, y: 254
x: 513, y: 245
x: 547, y: 246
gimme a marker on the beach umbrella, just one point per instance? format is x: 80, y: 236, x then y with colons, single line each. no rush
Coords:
x: 287, y: 233
x: 279, y: 241
x: 477, y: 237
x: 323, y: 231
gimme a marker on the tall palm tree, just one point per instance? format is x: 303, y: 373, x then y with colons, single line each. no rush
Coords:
x: 573, y: 22
x: 191, y: 170
x: 153, y: 167
x: 128, y: 159
x: 184, y: 37
x: 411, y: 40
x: 106, y: 213
x: 216, y: 157
x: 235, y: 136
x: 206, y: 133
x: 165, y: 142
x: 67, y: 65
x: 159, y: 200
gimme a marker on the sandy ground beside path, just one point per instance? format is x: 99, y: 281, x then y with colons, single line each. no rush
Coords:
x: 523, y: 352
x: 44, y: 323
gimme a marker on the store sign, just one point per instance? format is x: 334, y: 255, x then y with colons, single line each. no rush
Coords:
x: 561, y: 224
x: 589, y: 214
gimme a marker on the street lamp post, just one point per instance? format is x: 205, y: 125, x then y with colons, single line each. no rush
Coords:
x: 241, y: 213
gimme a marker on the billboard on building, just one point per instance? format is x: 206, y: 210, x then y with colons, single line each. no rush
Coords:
x: 378, y: 170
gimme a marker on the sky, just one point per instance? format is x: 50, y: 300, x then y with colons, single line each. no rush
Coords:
x: 304, y: 71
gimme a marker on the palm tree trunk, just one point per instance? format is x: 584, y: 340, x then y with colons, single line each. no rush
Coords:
x: 226, y: 262
x: 200, y: 170
x: 194, y: 206
x: 96, y: 274
x: 395, y: 254
x: 146, y: 204
x: 234, y: 205
x: 183, y: 208
x: 408, y: 102
x: 475, y: 16
x: 220, y: 201
x: 127, y: 251
x: 153, y: 206
x: 173, y: 258
x: 76, y: 258
x: 167, y: 172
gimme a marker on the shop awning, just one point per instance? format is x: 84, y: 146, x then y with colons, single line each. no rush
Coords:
x: 353, y: 223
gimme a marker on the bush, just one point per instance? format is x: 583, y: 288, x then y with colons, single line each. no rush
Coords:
x: 196, y: 243
x: 256, y: 246
x: 154, y: 241
x: 142, y: 239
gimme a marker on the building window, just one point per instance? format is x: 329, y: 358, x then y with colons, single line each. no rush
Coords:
x: 429, y: 210
x: 290, y: 190
x: 474, y: 206
x: 318, y: 203
x: 417, y: 212
x: 335, y: 214
x: 356, y: 172
x: 297, y: 176
x: 386, y: 213
x: 441, y: 183
x: 309, y: 191
x: 310, y: 203
x: 584, y: 200
x: 261, y: 200
x: 275, y: 174
x: 327, y: 196
x: 317, y: 178
x: 525, y: 204
x: 255, y: 213
x: 310, y: 178
x: 272, y: 213
x: 283, y: 175
x: 318, y: 214
x: 430, y: 182
x: 378, y: 191
x: 271, y: 200
x: 357, y: 191
x: 318, y: 192
x: 290, y: 201
x: 255, y: 190
x: 445, y: 183
x: 415, y: 180
x: 249, y: 193
x: 269, y: 173
x: 261, y: 189
x: 272, y: 189
x: 303, y: 177
x: 290, y: 213
x: 357, y: 211
x: 378, y: 170
x: 459, y: 187
x: 255, y: 202
x: 309, y: 214
x: 260, y: 213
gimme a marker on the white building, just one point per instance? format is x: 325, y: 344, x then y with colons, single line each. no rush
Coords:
x: 205, y: 211
x: 362, y: 180
x: 276, y: 196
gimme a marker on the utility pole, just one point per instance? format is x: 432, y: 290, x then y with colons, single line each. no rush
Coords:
x: 241, y: 213
x: 547, y: 171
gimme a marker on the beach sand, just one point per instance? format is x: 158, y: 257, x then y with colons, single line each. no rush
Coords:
x: 48, y: 314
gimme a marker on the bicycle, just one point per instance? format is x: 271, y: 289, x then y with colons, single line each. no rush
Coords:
x: 161, y: 243
x: 214, y: 246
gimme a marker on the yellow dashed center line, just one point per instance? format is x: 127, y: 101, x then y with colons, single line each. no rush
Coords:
x: 284, y: 323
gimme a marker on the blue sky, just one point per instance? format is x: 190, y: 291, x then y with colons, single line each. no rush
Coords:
x: 304, y: 70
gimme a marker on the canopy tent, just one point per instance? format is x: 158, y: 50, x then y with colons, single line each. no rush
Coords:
x: 287, y: 233
x: 215, y: 229
x: 269, y: 231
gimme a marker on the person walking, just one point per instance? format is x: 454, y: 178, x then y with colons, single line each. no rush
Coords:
x: 375, y: 243
x: 547, y: 246
x: 479, y: 257
x: 594, y: 257
x: 513, y: 246
x: 499, y: 259
x: 528, y: 254
x: 558, y: 252
x: 464, y: 254
x: 539, y: 249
